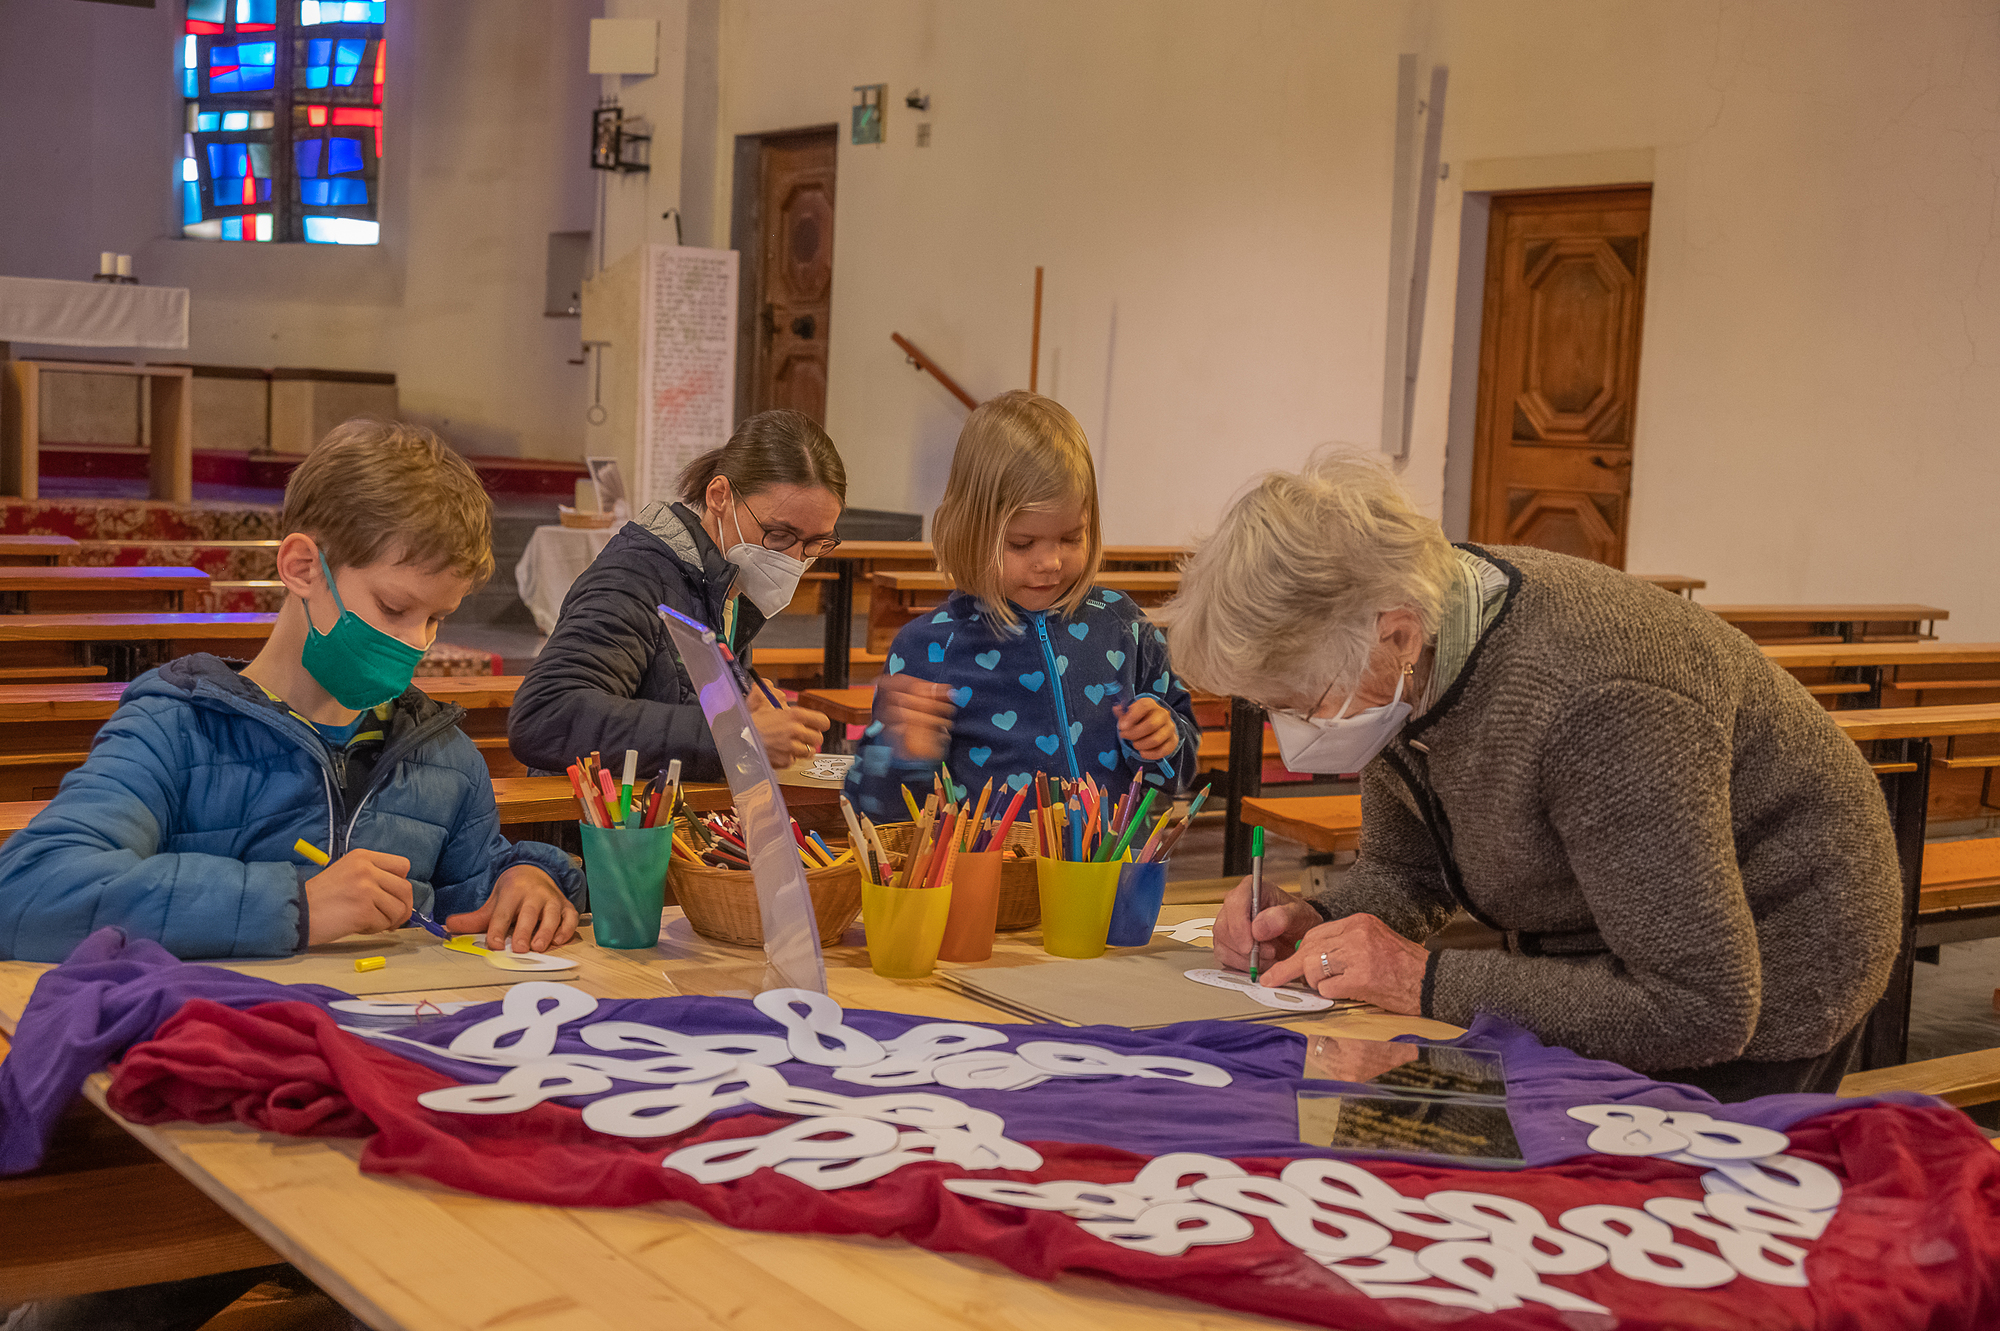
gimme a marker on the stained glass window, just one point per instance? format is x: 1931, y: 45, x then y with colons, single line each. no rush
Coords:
x: 283, y: 132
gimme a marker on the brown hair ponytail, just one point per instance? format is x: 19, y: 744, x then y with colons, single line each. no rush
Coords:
x: 771, y: 448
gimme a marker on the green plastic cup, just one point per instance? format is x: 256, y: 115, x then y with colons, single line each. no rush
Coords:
x: 627, y: 874
x: 1076, y: 905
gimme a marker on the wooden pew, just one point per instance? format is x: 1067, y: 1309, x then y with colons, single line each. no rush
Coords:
x: 1834, y: 623
x: 73, y: 589
x: 128, y: 644
x: 1677, y: 583
x: 36, y: 551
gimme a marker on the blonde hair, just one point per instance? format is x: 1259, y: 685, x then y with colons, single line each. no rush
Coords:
x: 376, y: 488
x: 1283, y: 598
x: 1018, y: 453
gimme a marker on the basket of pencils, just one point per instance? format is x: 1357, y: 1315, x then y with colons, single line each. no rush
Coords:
x: 1020, y: 899
x: 710, y: 879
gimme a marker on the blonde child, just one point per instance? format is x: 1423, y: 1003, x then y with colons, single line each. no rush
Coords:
x: 1027, y: 667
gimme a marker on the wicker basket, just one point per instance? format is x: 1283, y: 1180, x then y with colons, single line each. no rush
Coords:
x: 570, y: 517
x: 1020, y: 897
x: 721, y: 904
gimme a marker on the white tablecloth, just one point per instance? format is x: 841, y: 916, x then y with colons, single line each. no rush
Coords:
x: 92, y: 314
x: 555, y: 558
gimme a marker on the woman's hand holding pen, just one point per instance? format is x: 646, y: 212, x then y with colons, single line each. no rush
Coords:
x: 362, y: 892
x: 1149, y: 728
x: 790, y: 734
x: 916, y: 716
x: 1357, y: 956
x: 1279, y: 927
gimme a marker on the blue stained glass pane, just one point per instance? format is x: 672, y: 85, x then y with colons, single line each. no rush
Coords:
x: 307, y: 152
x: 190, y: 203
x: 215, y: 160
x: 190, y: 83
x: 190, y: 169
x: 378, y: 11
x: 228, y: 190
x: 342, y: 231
x: 263, y: 191
x: 351, y: 52
x: 343, y: 154
x: 343, y: 75
x: 258, y: 53
x: 232, y: 228
x: 256, y: 11
x: 188, y: 60
x: 239, y: 160
x: 316, y: 77
x: 206, y: 11
x: 333, y: 193
x: 208, y: 122
x: 319, y: 52
x: 313, y: 193
x: 221, y: 55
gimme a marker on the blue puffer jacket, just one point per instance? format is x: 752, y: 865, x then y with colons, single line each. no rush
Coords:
x: 1036, y: 698
x: 180, y: 826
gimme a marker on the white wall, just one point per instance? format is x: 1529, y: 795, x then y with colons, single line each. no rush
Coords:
x: 1207, y: 185
x: 485, y: 154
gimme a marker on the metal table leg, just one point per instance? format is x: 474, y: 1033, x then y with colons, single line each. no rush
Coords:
x: 1244, y: 780
x: 839, y: 607
x: 1886, y: 1041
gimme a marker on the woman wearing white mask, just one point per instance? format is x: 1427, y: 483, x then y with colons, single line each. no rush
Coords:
x: 1691, y: 867
x: 752, y: 517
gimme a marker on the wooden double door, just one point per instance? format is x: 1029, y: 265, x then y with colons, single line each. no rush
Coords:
x: 1559, y: 370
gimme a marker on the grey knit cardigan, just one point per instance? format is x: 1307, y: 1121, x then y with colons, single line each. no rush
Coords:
x: 1688, y: 860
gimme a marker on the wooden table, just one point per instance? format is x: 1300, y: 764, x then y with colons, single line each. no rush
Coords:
x: 128, y: 644
x: 30, y: 551
x: 75, y: 589
x: 900, y: 595
x: 166, y: 423
x: 411, y: 1254
x: 1833, y: 623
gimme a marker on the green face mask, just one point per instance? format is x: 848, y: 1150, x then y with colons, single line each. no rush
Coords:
x: 359, y: 664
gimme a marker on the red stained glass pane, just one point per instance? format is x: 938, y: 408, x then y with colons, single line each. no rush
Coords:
x: 354, y: 115
x: 205, y: 29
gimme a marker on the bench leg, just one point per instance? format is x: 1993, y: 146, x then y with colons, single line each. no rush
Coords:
x: 1885, y: 1042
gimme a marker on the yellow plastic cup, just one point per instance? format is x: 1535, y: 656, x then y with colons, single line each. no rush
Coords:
x: 1076, y: 906
x: 904, y: 925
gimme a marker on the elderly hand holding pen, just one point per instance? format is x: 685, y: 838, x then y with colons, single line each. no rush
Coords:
x: 1356, y: 956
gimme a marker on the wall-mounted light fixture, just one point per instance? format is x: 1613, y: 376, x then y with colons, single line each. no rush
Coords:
x: 614, y: 147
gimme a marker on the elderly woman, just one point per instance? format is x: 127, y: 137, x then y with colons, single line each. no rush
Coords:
x: 1691, y: 869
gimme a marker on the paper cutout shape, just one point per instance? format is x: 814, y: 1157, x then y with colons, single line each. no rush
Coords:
x: 1284, y: 1000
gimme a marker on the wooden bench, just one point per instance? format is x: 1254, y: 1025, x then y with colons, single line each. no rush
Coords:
x: 1677, y: 583
x: 789, y: 664
x: 1326, y: 823
x: 75, y: 589
x: 1957, y: 1079
x: 36, y: 551
x: 127, y: 644
x: 1833, y: 623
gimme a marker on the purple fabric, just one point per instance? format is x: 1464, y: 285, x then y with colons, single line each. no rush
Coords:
x: 112, y: 993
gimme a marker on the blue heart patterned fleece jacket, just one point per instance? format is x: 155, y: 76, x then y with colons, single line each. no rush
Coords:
x: 1037, y: 697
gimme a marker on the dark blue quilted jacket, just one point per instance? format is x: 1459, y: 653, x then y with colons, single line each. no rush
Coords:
x: 1036, y: 698
x: 181, y: 824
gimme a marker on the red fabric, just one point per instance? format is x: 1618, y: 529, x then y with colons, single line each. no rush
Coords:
x: 1912, y: 1245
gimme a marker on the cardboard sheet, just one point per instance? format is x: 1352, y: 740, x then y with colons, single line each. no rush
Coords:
x: 1138, y: 990
x: 417, y: 961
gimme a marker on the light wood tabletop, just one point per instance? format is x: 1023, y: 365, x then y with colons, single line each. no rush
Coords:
x: 1811, y: 656
x: 40, y: 549
x: 407, y: 1253
x: 134, y: 627
x: 27, y: 703
x: 121, y: 578
x: 933, y: 580
x: 1919, y: 722
x: 1827, y: 614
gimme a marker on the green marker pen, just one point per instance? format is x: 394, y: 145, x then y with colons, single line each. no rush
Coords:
x: 1256, y: 894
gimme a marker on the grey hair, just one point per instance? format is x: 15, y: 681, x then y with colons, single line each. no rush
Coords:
x: 1282, y: 601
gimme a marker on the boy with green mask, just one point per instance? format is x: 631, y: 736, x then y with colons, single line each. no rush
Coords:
x: 182, y: 825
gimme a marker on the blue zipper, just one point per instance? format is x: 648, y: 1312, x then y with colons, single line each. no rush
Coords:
x: 1056, y: 687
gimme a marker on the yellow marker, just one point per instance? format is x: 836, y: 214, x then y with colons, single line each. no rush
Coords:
x: 322, y: 859
x: 371, y: 963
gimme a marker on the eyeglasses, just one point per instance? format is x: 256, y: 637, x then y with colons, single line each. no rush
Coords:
x: 784, y: 538
x: 1306, y: 715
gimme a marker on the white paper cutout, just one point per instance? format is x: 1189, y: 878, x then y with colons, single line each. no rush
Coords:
x: 1392, y: 1273
x: 1720, y: 1139
x: 911, y: 1054
x: 1188, y: 931
x: 520, y: 1088
x: 1784, y: 1179
x: 1754, y: 1253
x: 1160, y: 1180
x: 1739, y: 1208
x: 820, y: 1035
x: 1284, y: 1000
x: 1307, y: 1227
x: 522, y: 1014
x: 1508, y: 1281
x: 506, y: 959
x: 1085, y: 1201
x: 829, y: 1139
x: 1158, y: 1229
x: 1521, y: 1229
x: 1063, y: 1058
x: 1629, y: 1130
x: 986, y: 1071
x: 1337, y: 1183
x: 769, y: 1050
x: 1645, y: 1249
x: 671, y: 1109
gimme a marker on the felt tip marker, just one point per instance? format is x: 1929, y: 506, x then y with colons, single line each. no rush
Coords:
x: 1256, y: 894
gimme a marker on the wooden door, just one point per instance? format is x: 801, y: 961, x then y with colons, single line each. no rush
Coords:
x: 794, y: 272
x: 1559, y: 370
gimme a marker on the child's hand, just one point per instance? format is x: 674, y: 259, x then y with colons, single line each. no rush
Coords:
x: 1149, y: 727
x: 916, y: 716
x: 362, y: 892
x: 525, y: 907
x: 790, y: 734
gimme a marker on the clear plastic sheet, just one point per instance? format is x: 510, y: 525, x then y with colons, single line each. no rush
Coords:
x: 791, y: 938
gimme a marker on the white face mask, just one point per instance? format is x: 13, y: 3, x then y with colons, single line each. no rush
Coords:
x: 768, y: 577
x: 1341, y: 744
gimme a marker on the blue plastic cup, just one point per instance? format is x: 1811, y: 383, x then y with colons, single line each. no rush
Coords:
x: 1141, y: 889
